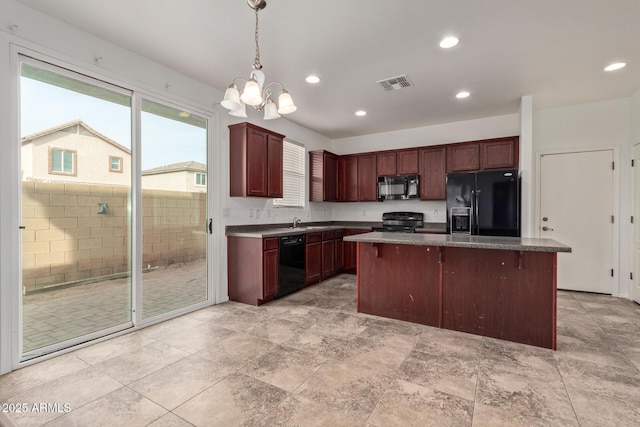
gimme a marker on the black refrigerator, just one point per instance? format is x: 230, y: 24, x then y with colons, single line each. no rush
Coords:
x: 484, y: 203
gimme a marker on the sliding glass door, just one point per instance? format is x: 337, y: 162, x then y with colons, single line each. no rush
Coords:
x: 114, y: 228
x: 174, y: 209
x: 75, y: 217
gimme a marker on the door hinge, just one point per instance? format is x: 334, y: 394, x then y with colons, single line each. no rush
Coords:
x: 612, y: 272
x: 612, y: 219
x: 613, y: 165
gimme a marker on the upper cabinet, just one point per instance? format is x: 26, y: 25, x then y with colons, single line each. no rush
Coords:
x: 255, y: 161
x: 367, y: 178
x: 463, y: 157
x: 498, y: 153
x: 400, y: 162
x: 348, y: 178
x: 323, y: 173
x: 433, y: 173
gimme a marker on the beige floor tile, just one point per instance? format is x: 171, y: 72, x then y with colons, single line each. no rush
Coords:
x: 444, y: 342
x: 123, y: 407
x: 170, y: 327
x: 491, y: 416
x: 40, y: 373
x: 527, y: 396
x: 238, y: 400
x: 132, y: 366
x: 453, y: 374
x: 173, y: 385
x: 284, y: 367
x: 595, y: 409
x: 350, y: 390
x: 235, y: 351
x: 62, y: 395
x: 170, y: 420
x: 128, y: 343
x: 276, y: 330
x: 197, y: 338
x: 408, y: 404
x: 296, y: 412
x: 499, y: 356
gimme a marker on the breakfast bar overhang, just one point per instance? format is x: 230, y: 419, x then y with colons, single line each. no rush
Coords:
x: 500, y: 287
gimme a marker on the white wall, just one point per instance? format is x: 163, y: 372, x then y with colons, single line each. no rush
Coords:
x: 491, y: 127
x: 603, y: 124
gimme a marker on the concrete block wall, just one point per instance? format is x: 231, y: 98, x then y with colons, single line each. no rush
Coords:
x: 66, y: 240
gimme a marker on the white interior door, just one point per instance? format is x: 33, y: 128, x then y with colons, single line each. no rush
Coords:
x: 635, y: 188
x: 576, y: 208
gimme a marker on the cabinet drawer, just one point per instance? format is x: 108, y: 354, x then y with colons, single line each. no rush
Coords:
x: 328, y: 235
x: 314, y: 237
x: 270, y: 244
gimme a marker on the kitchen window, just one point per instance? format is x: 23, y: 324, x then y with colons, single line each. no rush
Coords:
x: 201, y: 179
x: 293, y: 175
x: 62, y: 162
x: 115, y: 164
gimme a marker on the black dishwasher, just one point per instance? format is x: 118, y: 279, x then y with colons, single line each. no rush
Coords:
x: 291, y: 267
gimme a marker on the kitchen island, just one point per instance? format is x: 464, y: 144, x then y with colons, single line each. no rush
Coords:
x: 501, y: 287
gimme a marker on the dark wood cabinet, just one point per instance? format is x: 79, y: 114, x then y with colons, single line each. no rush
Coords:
x: 401, y: 282
x: 350, y: 250
x: 386, y: 162
x: 348, y: 178
x: 270, y: 271
x: 323, y: 173
x: 313, y: 258
x: 328, y: 253
x: 463, y: 157
x: 255, y: 161
x: 407, y: 161
x: 252, y: 269
x: 367, y: 178
x: 339, y: 252
x: 433, y: 173
x: 499, y: 153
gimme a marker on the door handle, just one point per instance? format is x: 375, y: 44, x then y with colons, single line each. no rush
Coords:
x: 545, y: 228
x: 210, y: 225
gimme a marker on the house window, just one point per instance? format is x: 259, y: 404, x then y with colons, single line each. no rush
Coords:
x: 201, y: 179
x: 115, y: 164
x: 293, y: 175
x: 62, y: 162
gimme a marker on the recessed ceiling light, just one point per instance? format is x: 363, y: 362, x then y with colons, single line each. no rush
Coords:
x: 463, y: 94
x: 361, y: 113
x: 614, y: 66
x: 313, y: 79
x: 448, y: 42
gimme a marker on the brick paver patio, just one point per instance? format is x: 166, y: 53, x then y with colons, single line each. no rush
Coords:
x: 59, y: 315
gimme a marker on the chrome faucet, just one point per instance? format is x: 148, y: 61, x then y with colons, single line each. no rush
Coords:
x: 295, y: 222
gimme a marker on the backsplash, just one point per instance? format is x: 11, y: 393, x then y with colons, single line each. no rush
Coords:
x: 434, y: 211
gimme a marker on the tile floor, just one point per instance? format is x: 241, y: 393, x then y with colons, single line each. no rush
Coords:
x: 310, y: 360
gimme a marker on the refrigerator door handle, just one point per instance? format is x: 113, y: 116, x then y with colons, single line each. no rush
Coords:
x: 476, y: 212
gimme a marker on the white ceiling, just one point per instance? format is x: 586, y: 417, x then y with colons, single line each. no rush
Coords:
x: 554, y: 50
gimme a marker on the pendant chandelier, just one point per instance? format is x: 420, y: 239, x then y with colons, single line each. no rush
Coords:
x: 255, y: 92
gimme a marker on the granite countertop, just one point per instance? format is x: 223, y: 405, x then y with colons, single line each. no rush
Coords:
x: 462, y: 241
x: 277, y: 230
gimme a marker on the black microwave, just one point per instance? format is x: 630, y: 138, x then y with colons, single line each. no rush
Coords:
x: 400, y: 187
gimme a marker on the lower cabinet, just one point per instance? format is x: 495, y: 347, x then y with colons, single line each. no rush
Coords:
x: 339, y: 258
x: 313, y: 258
x: 328, y: 254
x: 252, y: 268
x: 350, y: 251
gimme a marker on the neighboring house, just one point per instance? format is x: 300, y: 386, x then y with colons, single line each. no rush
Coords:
x: 185, y: 176
x: 74, y: 152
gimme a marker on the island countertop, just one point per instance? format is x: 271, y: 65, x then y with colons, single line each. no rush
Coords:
x: 462, y: 241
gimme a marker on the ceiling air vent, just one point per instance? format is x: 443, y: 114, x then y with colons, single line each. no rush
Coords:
x: 395, y: 83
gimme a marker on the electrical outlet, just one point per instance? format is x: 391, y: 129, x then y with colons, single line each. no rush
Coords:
x: 435, y: 213
x: 257, y: 213
x: 250, y: 213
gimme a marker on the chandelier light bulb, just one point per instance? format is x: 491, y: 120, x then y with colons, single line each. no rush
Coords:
x: 240, y: 112
x: 286, y: 103
x: 271, y: 111
x: 251, y: 93
x: 231, y: 99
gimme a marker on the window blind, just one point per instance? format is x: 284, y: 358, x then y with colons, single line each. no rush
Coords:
x: 293, y: 175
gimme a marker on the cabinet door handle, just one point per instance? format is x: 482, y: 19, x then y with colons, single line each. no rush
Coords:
x: 545, y: 228
x: 210, y: 225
